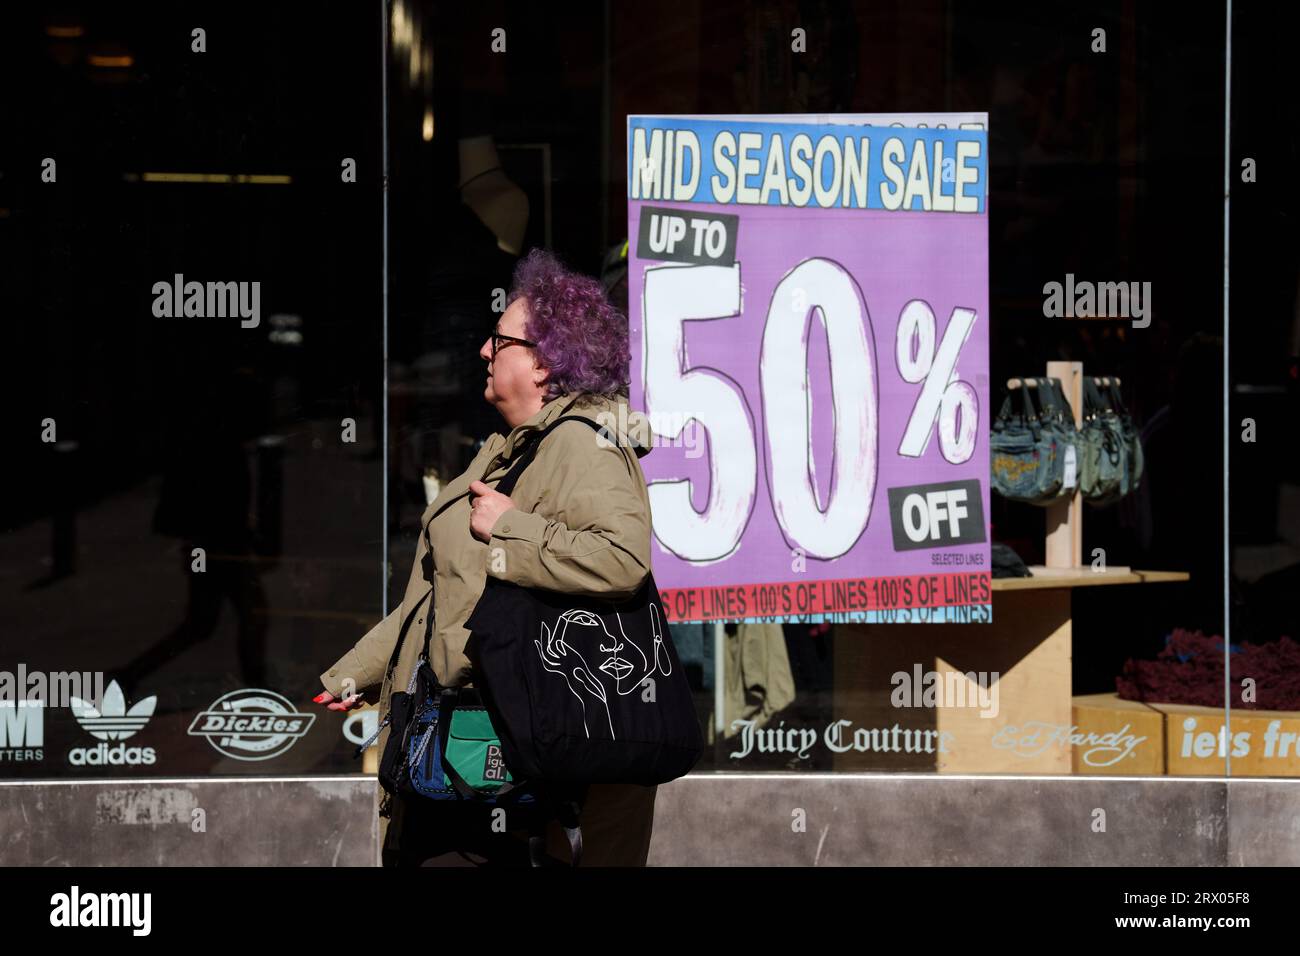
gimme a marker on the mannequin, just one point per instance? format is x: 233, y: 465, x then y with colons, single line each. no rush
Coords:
x: 484, y: 187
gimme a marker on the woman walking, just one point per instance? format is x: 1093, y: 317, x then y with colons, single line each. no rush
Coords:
x: 577, y: 522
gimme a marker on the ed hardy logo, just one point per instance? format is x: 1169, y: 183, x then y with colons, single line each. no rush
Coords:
x: 112, y: 721
x: 251, y: 724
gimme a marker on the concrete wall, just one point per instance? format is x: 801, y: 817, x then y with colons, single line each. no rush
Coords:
x: 701, y: 820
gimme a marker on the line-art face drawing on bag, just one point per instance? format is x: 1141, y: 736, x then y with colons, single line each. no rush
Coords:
x: 579, y: 638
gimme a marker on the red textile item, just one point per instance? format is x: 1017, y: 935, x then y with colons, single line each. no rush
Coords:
x: 1189, y: 670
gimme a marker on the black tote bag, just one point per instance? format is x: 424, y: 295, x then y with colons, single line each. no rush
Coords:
x: 582, y: 690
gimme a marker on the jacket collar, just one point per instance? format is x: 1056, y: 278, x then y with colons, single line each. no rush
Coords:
x: 506, y: 445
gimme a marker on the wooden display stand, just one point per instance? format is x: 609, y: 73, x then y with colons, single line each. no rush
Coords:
x: 1029, y: 644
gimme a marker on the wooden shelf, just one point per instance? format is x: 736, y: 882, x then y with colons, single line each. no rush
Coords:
x: 1084, y: 577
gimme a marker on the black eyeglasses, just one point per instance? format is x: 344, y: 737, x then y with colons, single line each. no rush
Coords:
x: 497, y: 337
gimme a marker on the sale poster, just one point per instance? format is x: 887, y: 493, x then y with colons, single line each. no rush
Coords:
x: 808, y: 308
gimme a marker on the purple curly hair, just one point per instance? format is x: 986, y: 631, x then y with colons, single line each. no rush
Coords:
x: 581, y: 337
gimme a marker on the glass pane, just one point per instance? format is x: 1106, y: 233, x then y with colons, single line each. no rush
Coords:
x: 1264, y: 698
x: 1097, y: 178
x: 193, y: 339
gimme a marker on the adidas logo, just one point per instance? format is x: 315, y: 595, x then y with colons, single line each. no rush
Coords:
x: 112, y: 721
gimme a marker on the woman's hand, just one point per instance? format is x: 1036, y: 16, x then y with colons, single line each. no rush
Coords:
x: 346, y: 703
x: 485, y: 509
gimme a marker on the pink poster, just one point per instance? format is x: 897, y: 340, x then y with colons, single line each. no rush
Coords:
x: 808, y: 304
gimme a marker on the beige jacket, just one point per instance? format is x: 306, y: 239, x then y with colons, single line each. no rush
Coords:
x: 759, y: 682
x: 581, y: 525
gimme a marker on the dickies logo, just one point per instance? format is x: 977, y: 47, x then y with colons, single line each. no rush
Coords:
x: 494, y: 765
x: 251, y: 724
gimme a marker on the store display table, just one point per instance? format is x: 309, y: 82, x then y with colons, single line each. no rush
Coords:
x: 1029, y: 719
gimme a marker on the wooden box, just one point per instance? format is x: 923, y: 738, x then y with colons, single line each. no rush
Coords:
x: 1265, y: 743
x: 1115, y: 736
